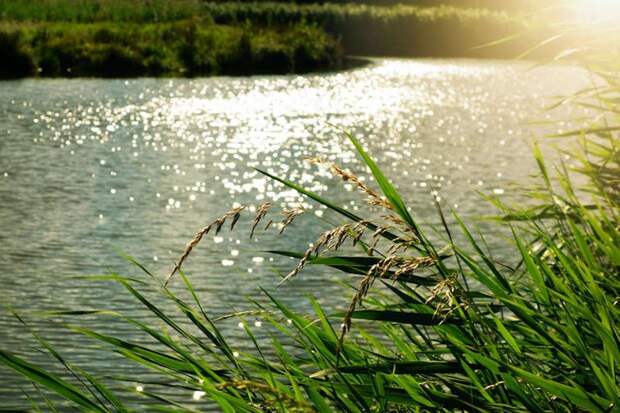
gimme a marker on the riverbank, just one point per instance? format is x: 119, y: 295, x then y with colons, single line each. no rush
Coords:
x: 184, y: 48
x: 196, y: 38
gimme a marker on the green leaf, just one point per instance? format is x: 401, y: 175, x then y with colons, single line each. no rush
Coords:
x: 359, y: 265
x: 386, y: 234
x: 386, y: 186
x: 49, y: 381
x: 398, y: 367
x: 425, y: 319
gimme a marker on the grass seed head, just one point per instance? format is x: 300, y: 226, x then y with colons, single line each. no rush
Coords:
x: 234, y: 214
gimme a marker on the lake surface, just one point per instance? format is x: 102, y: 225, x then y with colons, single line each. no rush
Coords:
x: 89, y: 167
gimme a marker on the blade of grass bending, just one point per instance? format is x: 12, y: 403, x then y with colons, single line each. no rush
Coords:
x: 50, y: 405
x: 104, y: 392
x: 358, y: 265
x: 399, y: 367
x: 540, y: 45
x: 133, y: 261
x: 218, y: 338
x: 141, y: 353
x: 499, y: 41
x: 311, y: 334
x: 169, y: 402
x: 316, y: 399
x: 81, y: 376
x: 581, y: 132
x: 160, y: 314
x: 386, y: 186
x: 573, y: 394
x: 107, y: 277
x: 34, y: 404
x: 424, y: 319
x: 49, y: 381
x: 489, y: 263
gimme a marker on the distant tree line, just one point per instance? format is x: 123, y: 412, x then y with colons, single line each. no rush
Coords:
x: 486, y: 4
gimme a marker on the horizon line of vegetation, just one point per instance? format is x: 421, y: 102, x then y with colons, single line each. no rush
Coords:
x: 123, y: 38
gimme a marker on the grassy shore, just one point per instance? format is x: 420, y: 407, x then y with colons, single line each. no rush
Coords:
x: 184, y: 48
x: 192, y: 37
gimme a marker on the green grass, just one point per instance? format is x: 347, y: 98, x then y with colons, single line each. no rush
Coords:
x: 184, y: 48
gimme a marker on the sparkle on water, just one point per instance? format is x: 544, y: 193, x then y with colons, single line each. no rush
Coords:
x: 92, y: 166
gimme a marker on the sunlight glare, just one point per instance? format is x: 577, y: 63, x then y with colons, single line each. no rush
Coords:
x: 598, y: 10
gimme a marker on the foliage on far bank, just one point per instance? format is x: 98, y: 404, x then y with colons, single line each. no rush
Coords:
x: 185, y: 48
x: 237, y: 37
x: 157, y: 11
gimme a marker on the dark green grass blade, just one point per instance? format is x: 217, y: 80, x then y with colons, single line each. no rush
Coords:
x: 399, y: 367
x: 386, y: 186
x: 359, y: 265
x: 49, y: 381
x: 424, y: 319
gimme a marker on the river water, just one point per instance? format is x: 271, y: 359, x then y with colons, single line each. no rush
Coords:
x: 91, y: 167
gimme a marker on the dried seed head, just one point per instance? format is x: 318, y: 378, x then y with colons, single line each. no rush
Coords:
x: 374, y: 198
x: 234, y: 213
x: 290, y: 215
x: 409, y: 265
x: 330, y: 240
x: 448, y: 296
x: 260, y: 214
x: 376, y: 236
x: 269, y: 223
x: 358, y: 231
x: 401, y: 266
x: 362, y: 290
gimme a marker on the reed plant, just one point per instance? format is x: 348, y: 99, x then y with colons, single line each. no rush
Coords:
x: 439, y: 323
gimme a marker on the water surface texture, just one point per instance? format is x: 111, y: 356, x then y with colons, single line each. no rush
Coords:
x: 92, y: 167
